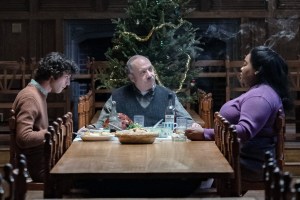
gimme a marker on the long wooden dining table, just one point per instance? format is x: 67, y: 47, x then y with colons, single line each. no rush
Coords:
x: 162, y: 160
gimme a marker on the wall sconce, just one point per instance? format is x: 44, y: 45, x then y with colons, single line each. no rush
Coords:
x: 16, y: 28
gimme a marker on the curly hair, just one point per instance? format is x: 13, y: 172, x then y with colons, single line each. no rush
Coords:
x: 273, y: 70
x: 54, y: 64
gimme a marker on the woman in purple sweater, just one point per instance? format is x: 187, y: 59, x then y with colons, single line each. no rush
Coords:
x: 253, y: 113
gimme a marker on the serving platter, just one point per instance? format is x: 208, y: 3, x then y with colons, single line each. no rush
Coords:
x: 95, y: 135
x: 136, y: 137
x: 96, y: 138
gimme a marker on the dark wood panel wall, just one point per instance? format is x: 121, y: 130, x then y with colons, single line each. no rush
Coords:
x: 32, y: 28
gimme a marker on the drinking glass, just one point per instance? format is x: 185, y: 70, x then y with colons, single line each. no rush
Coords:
x: 139, y: 119
x: 181, y: 122
x: 189, y: 123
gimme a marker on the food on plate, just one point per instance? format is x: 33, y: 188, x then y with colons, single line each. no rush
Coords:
x: 134, y: 125
x: 136, y: 131
x: 136, y: 136
x: 94, y: 133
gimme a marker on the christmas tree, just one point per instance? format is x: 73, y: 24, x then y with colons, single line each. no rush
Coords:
x: 157, y: 30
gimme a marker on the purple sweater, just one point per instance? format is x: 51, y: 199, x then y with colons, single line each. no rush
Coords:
x: 253, y: 113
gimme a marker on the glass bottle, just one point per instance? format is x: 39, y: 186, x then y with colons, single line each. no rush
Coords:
x: 113, y: 118
x: 170, y: 110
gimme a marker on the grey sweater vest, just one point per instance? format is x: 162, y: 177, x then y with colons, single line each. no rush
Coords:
x: 129, y: 105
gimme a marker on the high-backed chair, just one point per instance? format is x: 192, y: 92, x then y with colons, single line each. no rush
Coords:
x: 81, y: 117
x: 280, y: 130
x: 205, y: 108
x: 97, y: 69
x: 68, y: 135
x: 89, y: 104
x: 16, y: 181
x: 233, y: 146
x: 85, y: 109
x: 12, y: 75
x: 14, y: 152
x: 12, y: 127
x: 294, y: 75
x: 16, y: 178
x: 61, y: 138
x: 221, y: 129
x: 279, y: 184
x: 229, y: 145
x: 228, y: 142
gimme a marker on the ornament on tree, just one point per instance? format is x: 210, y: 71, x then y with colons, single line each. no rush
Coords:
x: 193, y: 83
x: 161, y: 43
x: 117, y: 47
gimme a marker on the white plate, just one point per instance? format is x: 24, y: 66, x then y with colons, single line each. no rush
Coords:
x: 97, y: 138
x: 84, y: 130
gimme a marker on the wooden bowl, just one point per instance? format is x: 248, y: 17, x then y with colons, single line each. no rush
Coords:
x: 126, y: 137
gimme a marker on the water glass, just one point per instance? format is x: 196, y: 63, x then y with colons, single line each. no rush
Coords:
x: 181, y: 122
x: 170, y: 125
x: 189, y: 123
x: 139, y: 119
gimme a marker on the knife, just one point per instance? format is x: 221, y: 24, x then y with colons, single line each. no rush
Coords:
x: 155, y: 125
x: 117, y: 128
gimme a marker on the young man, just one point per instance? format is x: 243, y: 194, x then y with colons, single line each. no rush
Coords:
x: 52, y: 75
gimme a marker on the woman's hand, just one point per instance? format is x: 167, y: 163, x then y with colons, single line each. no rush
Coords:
x: 196, y: 125
x: 195, y: 133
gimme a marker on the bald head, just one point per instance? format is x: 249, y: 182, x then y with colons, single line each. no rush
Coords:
x: 140, y: 72
x: 134, y: 61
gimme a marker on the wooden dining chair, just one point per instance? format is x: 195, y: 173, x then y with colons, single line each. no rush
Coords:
x: 60, y: 137
x: 61, y: 132
x: 80, y: 110
x: 205, y: 108
x: 294, y: 77
x: 228, y: 143
x: 57, y: 140
x: 16, y: 181
x: 49, y: 164
x: 233, y: 146
x: 85, y: 109
x: 68, y: 123
x: 221, y: 129
x: 279, y: 128
x: 279, y: 184
x: 12, y: 127
x: 31, y: 185
x: 88, y: 107
x: 16, y: 178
